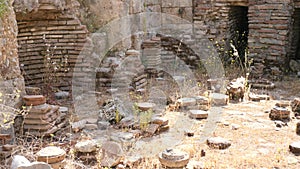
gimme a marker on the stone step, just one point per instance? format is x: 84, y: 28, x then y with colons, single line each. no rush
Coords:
x: 34, y: 100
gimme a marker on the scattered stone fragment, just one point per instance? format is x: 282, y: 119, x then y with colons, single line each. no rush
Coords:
x: 63, y: 110
x: 91, y: 126
x: 184, y: 102
x: 298, y: 128
x: 202, y: 100
x: 295, y: 147
x: 51, y: 155
x: 219, y: 99
x: 174, y: 158
x: 195, y: 165
x: 218, y: 143
x: 61, y: 95
x: 122, y: 136
x: 189, y: 133
x: 91, y: 121
x: 163, y: 128
x: 32, y: 90
x: 225, y: 123
x: 127, y: 122
x: 280, y: 124
x: 144, y: 106
x: 203, y: 103
x: 279, y: 113
x: 77, y: 126
x: 18, y: 161
x: 133, y: 161
x: 283, y: 104
x: 103, y: 125
x: 111, y: 154
x: 120, y: 166
x: 160, y: 121
x: 87, y: 146
x: 34, y: 100
x: 151, y: 129
x: 37, y: 165
x: 258, y: 97
x: 198, y: 114
x: 235, y: 126
x: 291, y: 160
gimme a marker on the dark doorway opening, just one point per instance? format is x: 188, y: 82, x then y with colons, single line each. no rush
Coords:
x: 238, y: 30
x: 295, y: 36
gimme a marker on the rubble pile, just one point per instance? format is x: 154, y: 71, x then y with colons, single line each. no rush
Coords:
x: 236, y: 89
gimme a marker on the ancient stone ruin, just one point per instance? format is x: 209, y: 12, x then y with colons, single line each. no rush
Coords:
x: 151, y: 84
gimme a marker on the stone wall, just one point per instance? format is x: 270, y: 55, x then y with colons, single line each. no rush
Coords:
x: 50, y: 39
x: 11, y: 80
x: 269, y: 22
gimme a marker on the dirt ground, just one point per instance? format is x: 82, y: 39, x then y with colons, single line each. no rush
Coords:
x: 256, y: 143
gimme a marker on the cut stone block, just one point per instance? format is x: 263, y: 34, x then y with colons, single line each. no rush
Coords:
x: 160, y: 121
x: 187, y: 102
x: 198, y: 114
x: 202, y: 100
x: 174, y: 158
x: 279, y: 113
x: 219, y: 99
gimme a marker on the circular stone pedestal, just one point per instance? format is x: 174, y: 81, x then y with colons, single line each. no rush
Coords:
x: 52, y: 155
x: 174, y: 158
x: 219, y: 99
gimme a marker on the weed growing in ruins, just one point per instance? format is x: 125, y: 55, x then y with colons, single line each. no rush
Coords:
x: 143, y: 117
x: 55, y: 66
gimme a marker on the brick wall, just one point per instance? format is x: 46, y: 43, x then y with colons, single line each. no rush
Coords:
x: 50, y: 39
x: 269, y: 22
